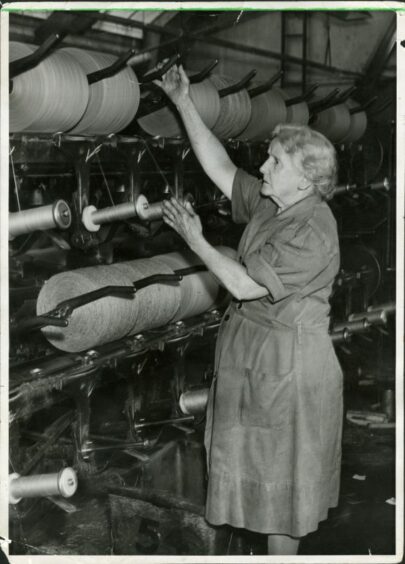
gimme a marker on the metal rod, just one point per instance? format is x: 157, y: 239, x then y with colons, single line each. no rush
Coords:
x: 147, y: 424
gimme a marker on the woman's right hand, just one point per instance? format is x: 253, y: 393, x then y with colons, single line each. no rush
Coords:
x: 175, y: 84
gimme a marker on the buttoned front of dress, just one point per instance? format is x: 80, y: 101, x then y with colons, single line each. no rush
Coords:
x: 275, y: 409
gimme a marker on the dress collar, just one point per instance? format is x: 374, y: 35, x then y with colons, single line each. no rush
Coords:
x: 303, y: 206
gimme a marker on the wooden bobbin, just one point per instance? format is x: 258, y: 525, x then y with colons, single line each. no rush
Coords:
x: 235, y: 110
x: 113, y: 101
x: 358, y: 124
x: 333, y: 122
x: 199, y: 291
x: 268, y: 110
x: 49, y: 98
x: 166, y: 122
x: 296, y: 113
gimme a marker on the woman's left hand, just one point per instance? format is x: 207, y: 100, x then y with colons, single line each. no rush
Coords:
x: 183, y: 219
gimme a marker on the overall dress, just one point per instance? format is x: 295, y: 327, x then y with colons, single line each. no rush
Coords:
x: 274, y: 415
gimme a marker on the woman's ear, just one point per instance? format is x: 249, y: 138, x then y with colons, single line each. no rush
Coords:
x: 305, y: 184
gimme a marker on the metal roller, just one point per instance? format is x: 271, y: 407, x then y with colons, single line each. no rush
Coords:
x: 39, y: 219
x: 92, y: 218
x: 113, y: 101
x: 166, y: 122
x: 268, y: 110
x: 63, y: 483
x: 49, y: 98
x: 235, y: 110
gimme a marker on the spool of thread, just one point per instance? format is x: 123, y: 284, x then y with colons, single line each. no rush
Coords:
x: 235, y: 109
x: 39, y: 219
x: 268, y: 110
x: 50, y: 97
x: 112, y: 102
x: 92, y: 218
x: 166, y: 122
x: 147, y: 211
x: 194, y: 402
x: 63, y: 483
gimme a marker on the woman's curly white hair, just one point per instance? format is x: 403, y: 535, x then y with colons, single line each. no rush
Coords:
x: 316, y: 154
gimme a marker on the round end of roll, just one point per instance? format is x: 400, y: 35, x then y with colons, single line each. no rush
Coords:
x: 87, y: 219
x: 62, y: 214
x: 141, y: 206
x: 12, y: 499
x: 67, y: 482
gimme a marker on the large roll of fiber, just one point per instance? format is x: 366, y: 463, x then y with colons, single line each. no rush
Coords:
x: 235, y: 109
x: 333, y: 122
x: 50, y: 97
x: 268, y: 110
x: 199, y: 291
x: 111, y: 318
x: 113, y: 101
x: 296, y: 113
x: 358, y: 125
x: 166, y: 122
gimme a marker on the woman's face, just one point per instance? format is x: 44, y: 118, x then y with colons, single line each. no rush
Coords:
x: 283, y: 179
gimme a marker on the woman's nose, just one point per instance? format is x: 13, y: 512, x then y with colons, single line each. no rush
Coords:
x: 265, y: 166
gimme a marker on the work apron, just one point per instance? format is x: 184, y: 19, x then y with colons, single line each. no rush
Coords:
x: 274, y: 421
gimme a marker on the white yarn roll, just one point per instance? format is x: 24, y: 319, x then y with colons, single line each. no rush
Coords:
x: 268, y: 110
x: 50, y: 97
x: 235, y: 111
x: 199, y: 291
x: 111, y: 318
x: 333, y: 122
x: 166, y: 122
x: 358, y: 125
x: 296, y: 113
x: 113, y: 102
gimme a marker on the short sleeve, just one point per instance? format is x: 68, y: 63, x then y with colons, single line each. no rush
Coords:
x: 245, y: 196
x: 300, y: 264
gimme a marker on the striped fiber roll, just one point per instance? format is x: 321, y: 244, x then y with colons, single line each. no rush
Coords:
x: 49, y: 98
x: 113, y: 102
x: 111, y: 318
x: 268, y: 110
x: 297, y: 113
x: 333, y: 122
x: 358, y: 125
x: 235, y: 110
x: 166, y: 122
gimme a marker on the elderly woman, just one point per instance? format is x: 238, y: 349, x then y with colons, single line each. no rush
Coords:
x: 274, y: 415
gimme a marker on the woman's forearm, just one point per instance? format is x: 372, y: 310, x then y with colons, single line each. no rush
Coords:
x: 209, y: 151
x: 231, y: 273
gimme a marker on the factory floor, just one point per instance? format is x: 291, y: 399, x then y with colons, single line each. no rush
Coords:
x: 362, y: 524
